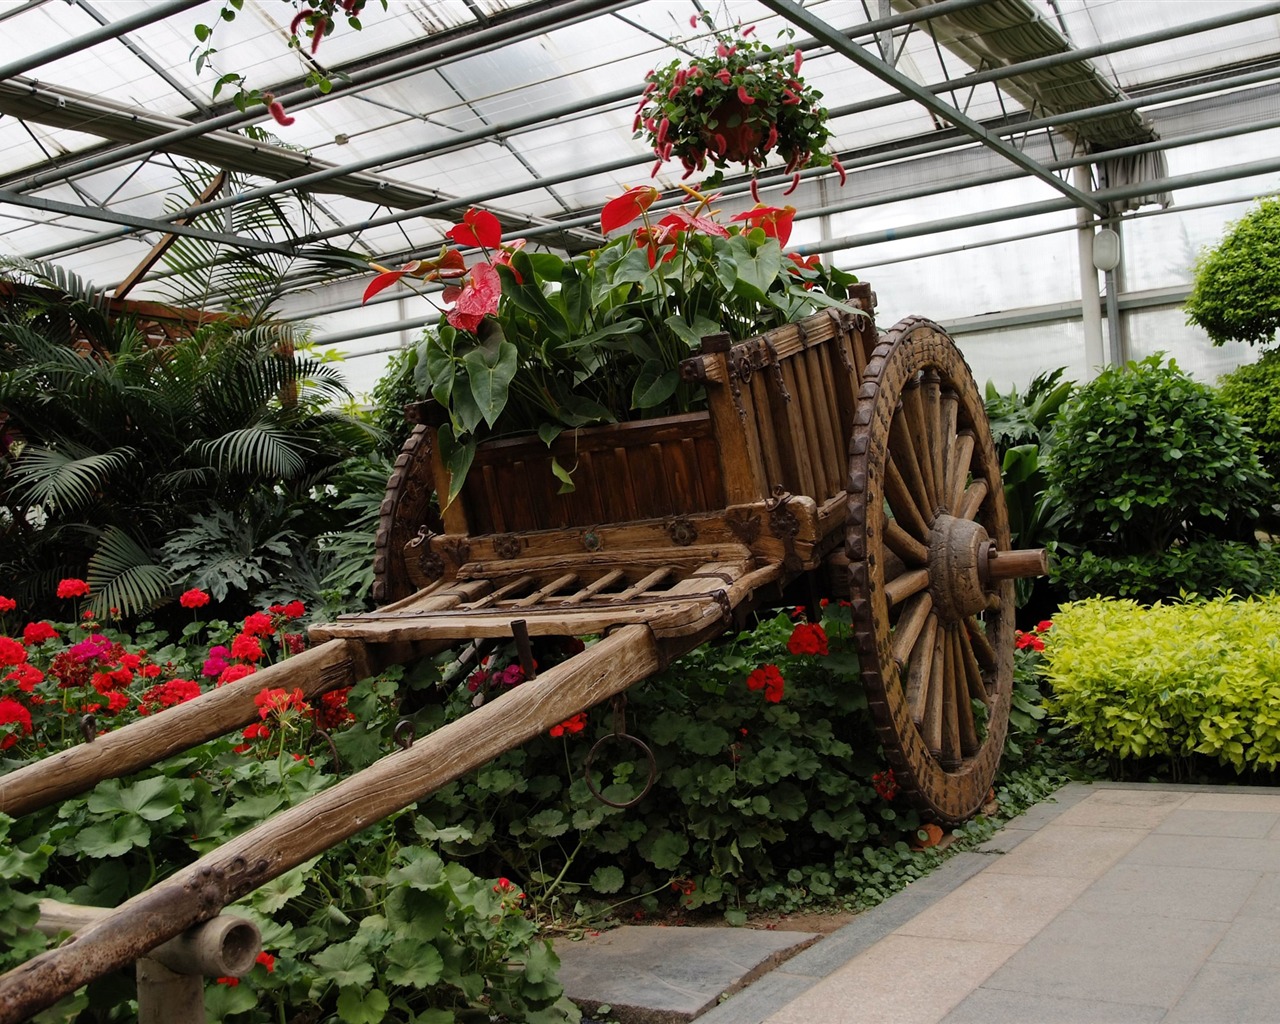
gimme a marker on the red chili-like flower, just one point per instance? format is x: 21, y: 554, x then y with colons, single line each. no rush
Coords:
x: 276, y: 109
x: 193, y: 599
x: 73, y: 588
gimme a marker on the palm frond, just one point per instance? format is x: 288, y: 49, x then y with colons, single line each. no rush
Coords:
x: 259, y: 450
x: 124, y: 575
x: 67, y: 478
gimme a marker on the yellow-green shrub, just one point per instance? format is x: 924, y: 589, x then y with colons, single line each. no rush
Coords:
x: 1171, y: 680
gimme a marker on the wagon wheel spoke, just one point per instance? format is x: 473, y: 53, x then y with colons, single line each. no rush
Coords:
x: 936, y: 634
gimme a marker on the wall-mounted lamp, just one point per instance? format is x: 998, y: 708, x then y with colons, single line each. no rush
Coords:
x: 1106, y: 250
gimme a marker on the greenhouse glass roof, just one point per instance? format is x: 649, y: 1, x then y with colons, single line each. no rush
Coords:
x: 110, y: 134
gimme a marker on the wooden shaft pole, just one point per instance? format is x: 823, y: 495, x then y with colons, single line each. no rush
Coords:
x: 330, y: 665
x: 201, y: 890
x: 1017, y: 564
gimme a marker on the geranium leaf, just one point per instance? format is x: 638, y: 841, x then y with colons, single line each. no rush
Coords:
x: 345, y: 964
x: 112, y: 838
x: 607, y: 879
x: 411, y: 962
x: 358, y: 1007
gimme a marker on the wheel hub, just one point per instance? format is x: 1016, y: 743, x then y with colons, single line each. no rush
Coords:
x: 958, y: 554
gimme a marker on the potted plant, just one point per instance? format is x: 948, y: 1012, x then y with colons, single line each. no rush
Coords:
x: 739, y: 104
x: 535, y: 343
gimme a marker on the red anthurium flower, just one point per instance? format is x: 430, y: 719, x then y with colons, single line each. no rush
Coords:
x: 803, y: 262
x: 384, y: 280
x: 683, y: 220
x: 625, y: 208
x: 479, y: 228
x: 775, y: 221
x: 477, y: 299
x: 509, y: 249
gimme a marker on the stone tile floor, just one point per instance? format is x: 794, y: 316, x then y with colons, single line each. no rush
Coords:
x: 1111, y: 903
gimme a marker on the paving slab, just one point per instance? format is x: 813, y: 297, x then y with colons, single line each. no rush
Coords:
x: 657, y: 975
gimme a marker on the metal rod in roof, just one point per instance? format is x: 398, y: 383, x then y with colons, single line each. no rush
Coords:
x: 150, y: 14
x: 474, y: 42
x: 799, y: 16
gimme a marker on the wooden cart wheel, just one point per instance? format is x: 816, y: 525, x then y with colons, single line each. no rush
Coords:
x: 926, y: 517
x: 408, y: 505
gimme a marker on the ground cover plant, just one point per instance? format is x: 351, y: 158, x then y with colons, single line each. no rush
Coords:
x: 771, y: 795
x: 1171, y: 686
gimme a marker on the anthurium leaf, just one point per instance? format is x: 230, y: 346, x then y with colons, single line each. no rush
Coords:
x: 457, y: 460
x: 633, y: 268
x: 654, y: 385
x: 489, y: 375
x: 112, y: 838
x: 345, y: 963
x: 411, y: 962
x: 692, y: 333
x: 578, y: 411
x: 355, y: 1006
x: 632, y: 325
x: 564, y: 476
x: 548, y: 432
x: 756, y: 272
x: 435, y: 370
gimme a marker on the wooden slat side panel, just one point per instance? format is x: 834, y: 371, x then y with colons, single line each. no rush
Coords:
x: 621, y: 472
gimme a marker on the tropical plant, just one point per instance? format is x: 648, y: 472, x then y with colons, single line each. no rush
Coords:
x: 1027, y: 417
x: 1236, y: 294
x: 114, y: 444
x: 737, y: 104
x: 536, y: 342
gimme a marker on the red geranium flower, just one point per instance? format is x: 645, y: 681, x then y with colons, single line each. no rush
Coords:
x: 808, y: 638
x: 73, y: 588
x: 26, y: 677
x: 7, y: 604
x: 267, y: 961
x: 570, y: 725
x: 233, y: 673
x: 769, y: 679
x: 13, y: 713
x: 11, y: 652
x: 279, y: 701
x: 193, y: 599
x: 258, y: 624
x: 246, y: 647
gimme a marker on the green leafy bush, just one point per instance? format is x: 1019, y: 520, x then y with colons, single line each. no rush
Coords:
x: 1144, y: 461
x: 1170, y: 681
x: 1236, y: 296
x: 1252, y: 393
x: 1197, y: 567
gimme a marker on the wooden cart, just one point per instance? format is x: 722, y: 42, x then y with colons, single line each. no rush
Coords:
x: 859, y: 464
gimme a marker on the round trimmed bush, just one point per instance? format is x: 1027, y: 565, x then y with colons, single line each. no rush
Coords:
x: 1236, y: 296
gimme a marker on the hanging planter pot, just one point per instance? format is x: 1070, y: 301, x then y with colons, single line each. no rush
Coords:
x: 743, y: 104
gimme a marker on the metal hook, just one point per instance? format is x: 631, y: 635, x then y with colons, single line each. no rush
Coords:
x: 333, y: 750
x: 620, y: 735
x: 403, y: 733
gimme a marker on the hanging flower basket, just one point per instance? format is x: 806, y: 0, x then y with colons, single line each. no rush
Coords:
x: 742, y: 104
